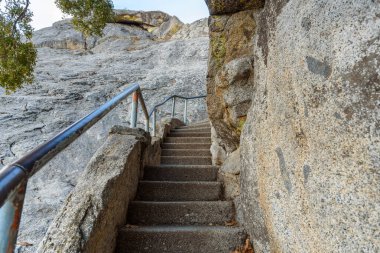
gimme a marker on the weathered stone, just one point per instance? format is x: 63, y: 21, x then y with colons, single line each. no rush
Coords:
x: 310, y: 146
x: 168, y: 28
x: 149, y: 20
x: 229, y: 174
x: 194, y: 30
x: 95, y: 210
x: 230, y: 77
x: 166, y: 125
x: 131, y: 28
x: 62, y: 35
x: 220, y: 7
x: 69, y: 84
x: 218, y: 153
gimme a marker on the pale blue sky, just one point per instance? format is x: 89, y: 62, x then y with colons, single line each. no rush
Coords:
x: 46, y: 13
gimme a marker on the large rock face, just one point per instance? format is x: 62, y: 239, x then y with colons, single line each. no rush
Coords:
x: 70, y: 83
x: 309, y: 155
x: 310, y: 147
x: 129, y: 27
x: 230, y: 78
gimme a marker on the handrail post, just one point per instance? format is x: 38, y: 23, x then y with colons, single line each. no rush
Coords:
x: 173, y: 107
x: 154, y: 123
x: 147, y: 125
x: 135, y: 98
x: 185, y: 113
x: 10, y: 217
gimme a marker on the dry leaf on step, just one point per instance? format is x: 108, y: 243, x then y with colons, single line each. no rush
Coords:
x: 231, y: 223
x: 247, y: 248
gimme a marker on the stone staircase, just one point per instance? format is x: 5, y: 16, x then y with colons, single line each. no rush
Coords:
x: 179, y: 205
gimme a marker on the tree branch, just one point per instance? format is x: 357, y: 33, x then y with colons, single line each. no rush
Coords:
x: 22, y: 15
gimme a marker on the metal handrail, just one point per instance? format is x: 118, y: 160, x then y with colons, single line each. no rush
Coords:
x: 173, y: 98
x: 14, y: 177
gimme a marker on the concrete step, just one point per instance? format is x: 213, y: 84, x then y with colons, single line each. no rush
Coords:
x: 180, y: 213
x: 184, y: 130
x: 181, y: 173
x: 186, y: 160
x: 189, y: 134
x: 185, y: 145
x: 175, y: 239
x: 194, y: 126
x: 179, y: 191
x: 188, y: 140
x: 186, y: 152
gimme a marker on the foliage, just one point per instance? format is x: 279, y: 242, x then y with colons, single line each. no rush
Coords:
x: 17, y: 53
x: 89, y: 16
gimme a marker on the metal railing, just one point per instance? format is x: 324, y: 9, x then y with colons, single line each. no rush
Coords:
x: 14, y: 177
x: 173, y: 99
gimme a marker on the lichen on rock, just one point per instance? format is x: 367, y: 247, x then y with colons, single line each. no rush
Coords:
x: 230, y: 77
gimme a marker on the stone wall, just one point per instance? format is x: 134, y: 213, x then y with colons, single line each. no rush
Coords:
x: 97, y: 208
x: 230, y: 73
x: 310, y: 146
x: 309, y: 149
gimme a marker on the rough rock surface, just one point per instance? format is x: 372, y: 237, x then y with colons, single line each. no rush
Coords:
x: 160, y: 24
x: 125, y: 31
x: 97, y: 208
x: 219, y: 7
x: 229, y: 174
x: 70, y: 83
x: 193, y: 30
x: 230, y: 78
x: 168, y: 29
x: 146, y: 19
x: 310, y: 147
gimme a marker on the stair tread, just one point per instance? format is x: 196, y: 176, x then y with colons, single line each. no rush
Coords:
x: 188, y: 140
x: 175, y: 191
x: 194, y: 126
x: 190, y: 203
x: 186, y: 145
x: 181, y: 228
x: 191, y: 132
x: 201, y: 160
x: 180, y: 182
x: 168, y: 149
x: 186, y: 157
x: 174, y: 239
x: 182, y: 166
x: 181, y: 173
x: 184, y: 130
x: 180, y: 212
x: 191, y: 137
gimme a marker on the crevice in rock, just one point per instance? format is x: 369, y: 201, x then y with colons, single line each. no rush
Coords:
x: 10, y: 148
x: 136, y: 24
x: 82, y: 232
